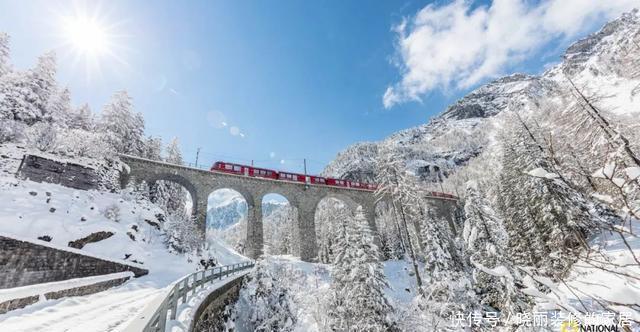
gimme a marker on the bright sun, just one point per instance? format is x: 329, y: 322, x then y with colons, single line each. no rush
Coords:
x: 91, y: 42
x: 86, y: 35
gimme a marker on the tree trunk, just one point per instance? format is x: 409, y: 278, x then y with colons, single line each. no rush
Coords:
x: 411, y: 251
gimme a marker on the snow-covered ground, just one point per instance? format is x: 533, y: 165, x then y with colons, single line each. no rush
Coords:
x: 29, y: 210
x: 591, y: 282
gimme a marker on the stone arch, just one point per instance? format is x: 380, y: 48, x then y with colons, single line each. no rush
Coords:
x: 279, y: 237
x: 352, y: 202
x: 348, y: 201
x: 184, y: 182
x: 279, y: 190
x: 233, y: 205
x: 254, y: 243
x: 244, y: 192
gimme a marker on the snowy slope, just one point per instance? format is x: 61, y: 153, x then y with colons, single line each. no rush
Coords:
x: 30, y: 210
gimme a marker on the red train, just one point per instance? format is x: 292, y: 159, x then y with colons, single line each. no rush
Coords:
x: 221, y: 166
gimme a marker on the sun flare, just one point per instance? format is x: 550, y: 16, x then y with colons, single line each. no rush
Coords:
x: 92, y: 41
x: 86, y: 35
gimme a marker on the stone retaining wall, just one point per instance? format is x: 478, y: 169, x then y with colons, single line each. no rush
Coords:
x: 210, y: 315
x: 77, y: 291
x: 40, y: 169
x: 24, y: 263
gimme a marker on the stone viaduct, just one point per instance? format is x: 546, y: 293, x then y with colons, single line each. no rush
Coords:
x: 200, y: 183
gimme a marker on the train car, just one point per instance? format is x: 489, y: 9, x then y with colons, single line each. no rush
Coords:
x: 358, y: 185
x: 337, y: 182
x: 318, y: 180
x: 286, y: 176
x: 263, y: 173
x: 221, y: 166
x: 310, y: 179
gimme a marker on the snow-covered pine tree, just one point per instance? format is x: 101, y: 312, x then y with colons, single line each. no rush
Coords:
x: 153, y: 148
x: 81, y: 118
x: 58, y: 108
x: 183, y: 232
x: 5, y: 66
x: 174, y: 197
x: 390, y: 234
x: 485, y: 239
x: 359, y: 302
x: 331, y: 213
x: 396, y: 186
x: 42, y: 80
x: 265, y: 304
x: 545, y: 218
x: 124, y: 128
x: 447, y: 288
x: 19, y: 101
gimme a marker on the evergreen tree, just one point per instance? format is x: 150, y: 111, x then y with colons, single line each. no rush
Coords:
x: 80, y: 118
x: 5, y: 66
x: 153, y: 148
x: 174, y: 195
x: 58, y: 108
x: 447, y: 289
x: 42, y: 80
x: 266, y: 302
x: 359, y: 302
x: 123, y: 127
x: 394, y: 184
x: 19, y: 100
x: 485, y: 241
x: 545, y: 218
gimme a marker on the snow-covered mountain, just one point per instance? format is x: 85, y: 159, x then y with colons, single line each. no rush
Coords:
x: 606, y: 62
x: 230, y: 210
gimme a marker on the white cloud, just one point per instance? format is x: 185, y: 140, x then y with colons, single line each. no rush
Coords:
x: 455, y: 46
x: 272, y: 155
x: 282, y: 161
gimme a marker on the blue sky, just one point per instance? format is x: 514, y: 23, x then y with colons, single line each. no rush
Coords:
x: 295, y: 79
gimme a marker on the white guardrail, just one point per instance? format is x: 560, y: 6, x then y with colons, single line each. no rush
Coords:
x: 181, y: 290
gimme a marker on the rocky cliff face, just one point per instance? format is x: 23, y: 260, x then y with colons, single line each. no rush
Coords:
x: 607, y: 62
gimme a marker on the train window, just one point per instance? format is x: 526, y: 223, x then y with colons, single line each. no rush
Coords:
x: 227, y: 166
x: 237, y: 168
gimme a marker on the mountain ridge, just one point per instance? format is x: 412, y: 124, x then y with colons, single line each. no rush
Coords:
x: 603, y: 61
